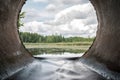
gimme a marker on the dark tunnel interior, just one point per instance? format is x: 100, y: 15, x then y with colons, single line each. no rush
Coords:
x: 105, y: 49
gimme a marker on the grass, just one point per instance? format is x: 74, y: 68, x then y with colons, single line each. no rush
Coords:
x: 73, y: 47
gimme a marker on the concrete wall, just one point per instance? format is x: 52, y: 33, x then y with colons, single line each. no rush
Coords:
x: 13, y: 55
x: 105, y: 49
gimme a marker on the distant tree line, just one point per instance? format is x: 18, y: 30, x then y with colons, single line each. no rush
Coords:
x: 36, y: 38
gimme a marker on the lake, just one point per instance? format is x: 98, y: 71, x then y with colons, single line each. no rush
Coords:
x: 53, y: 53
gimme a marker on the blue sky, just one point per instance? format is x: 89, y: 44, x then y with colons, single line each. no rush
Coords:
x: 66, y: 17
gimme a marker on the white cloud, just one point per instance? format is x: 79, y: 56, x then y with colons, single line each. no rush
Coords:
x: 84, y: 12
x: 74, y: 12
x: 77, y: 20
x: 66, y: 2
x: 36, y: 27
x: 36, y: 15
x: 51, y: 8
x: 75, y: 28
x: 31, y: 14
x: 74, y: 1
x: 40, y: 0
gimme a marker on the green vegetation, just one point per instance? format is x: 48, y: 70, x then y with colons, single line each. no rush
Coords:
x: 72, y: 47
x: 36, y: 38
x: 39, y: 44
x: 21, y: 16
x: 36, y: 51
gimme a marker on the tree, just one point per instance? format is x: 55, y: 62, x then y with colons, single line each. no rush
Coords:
x: 21, y: 16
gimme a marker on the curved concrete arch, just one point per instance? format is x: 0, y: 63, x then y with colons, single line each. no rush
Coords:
x: 13, y: 55
x: 105, y: 49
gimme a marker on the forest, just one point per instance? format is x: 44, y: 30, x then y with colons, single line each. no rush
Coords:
x: 27, y: 37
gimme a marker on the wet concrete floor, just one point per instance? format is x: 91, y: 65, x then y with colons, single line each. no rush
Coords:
x: 56, y: 69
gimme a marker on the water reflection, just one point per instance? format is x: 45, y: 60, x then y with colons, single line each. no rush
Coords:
x: 42, y: 51
x: 53, y: 53
x: 56, y: 70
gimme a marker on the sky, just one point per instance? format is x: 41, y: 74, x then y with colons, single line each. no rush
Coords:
x: 66, y: 17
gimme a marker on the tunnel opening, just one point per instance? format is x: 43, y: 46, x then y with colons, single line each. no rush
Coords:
x: 68, y: 29
x: 14, y: 58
